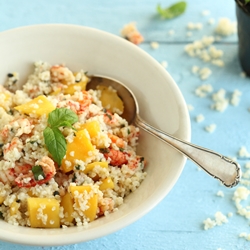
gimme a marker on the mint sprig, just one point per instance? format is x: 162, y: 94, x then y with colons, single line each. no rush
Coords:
x: 172, y: 11
x: 53, y: 137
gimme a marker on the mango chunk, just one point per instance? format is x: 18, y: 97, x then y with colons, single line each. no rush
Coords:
x: 43, y: 212
x: 39, y: 106
x: 89, y: 167
x: 14, y: 208
x: 110, y: 99
x: 71, y: 89
x: 2, y: 198
x: 78, y: 149
x: 56, y: 92
x: 68, y: 209
x: 5, y: 97
x: 107, y: 183
x: 93, y: 127
x: 80, y: 189
x: 77, y: 193
x: 30, y: 193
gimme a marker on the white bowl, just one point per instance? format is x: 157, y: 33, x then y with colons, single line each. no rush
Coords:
x: 161, y: 104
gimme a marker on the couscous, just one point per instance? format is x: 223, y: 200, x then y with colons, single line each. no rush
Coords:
x: 65, y: 159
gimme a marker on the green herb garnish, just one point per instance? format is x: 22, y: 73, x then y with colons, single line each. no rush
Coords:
x: 77, y: 167
x: 62, y: 117
x: 109, y: 116
x: 37, y: 171
x: 33, y: 142
x: 56, y: 193
x: 11, y: 112
x: 104, y: 150
x: 74, y: 178
x: 53, y: 137
x: 56, y: 143
x: 172, y: 11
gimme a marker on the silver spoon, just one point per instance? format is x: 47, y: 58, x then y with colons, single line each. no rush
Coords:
x: 216, y: 165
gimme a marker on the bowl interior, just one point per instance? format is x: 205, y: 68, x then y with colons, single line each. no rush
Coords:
x: 160, y: 101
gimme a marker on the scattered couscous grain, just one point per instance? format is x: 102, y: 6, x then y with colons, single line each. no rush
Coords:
x: 200, y: 118
x: 243, y: 74
x: 164, y: 64
x: 171, y: 32
x: 211, y: 21
x: 219, y: 219
x: 204, y: 73
x: 154, y: 45
x: 203, y: 90
x: 235, y: 97
x: 220, y: 100
x: 205, y: 13
x: 226, y: 27
x: 190, y: 107
x: 210, y: 128
x: 220, y: 193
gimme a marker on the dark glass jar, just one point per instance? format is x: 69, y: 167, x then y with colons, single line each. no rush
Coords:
x: 243, y: 20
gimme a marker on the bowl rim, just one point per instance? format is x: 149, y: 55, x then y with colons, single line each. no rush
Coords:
x: 56, y: 239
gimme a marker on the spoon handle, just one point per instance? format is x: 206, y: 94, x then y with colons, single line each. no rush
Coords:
x: 216, y: 165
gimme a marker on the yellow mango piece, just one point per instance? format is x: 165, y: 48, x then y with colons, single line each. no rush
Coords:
x: 39, y: 106
x: 5, y: 99
x: 90, y: 166
x: 56, y: 92
x: 79, y: 189
x: 14, y: 208
x: 6, y: 96
x: 110, y: 99
x: 93, y: 127
x: 43, y: 212
x: 68, y: 209
x: 30, y: 193
x: 78, y: 149
x: 107, y: 183
x: 2, y: 198
x: 71, y: 89
x: 91, y: 211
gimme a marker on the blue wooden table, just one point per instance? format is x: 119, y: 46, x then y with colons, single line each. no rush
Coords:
x: 177, y: 222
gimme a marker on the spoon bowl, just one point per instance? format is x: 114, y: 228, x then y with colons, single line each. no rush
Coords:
x: 131, y: 107
x: 218, y: 166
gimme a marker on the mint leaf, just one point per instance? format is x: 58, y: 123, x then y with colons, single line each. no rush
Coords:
x: 56, y: 143
x: 53, y: 137
x: 62, y: 117
x: 37, y: 171
x: 65, y: 124
x: 172, y: 11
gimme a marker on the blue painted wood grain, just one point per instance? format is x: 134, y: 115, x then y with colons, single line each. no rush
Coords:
x: 176, y: 223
